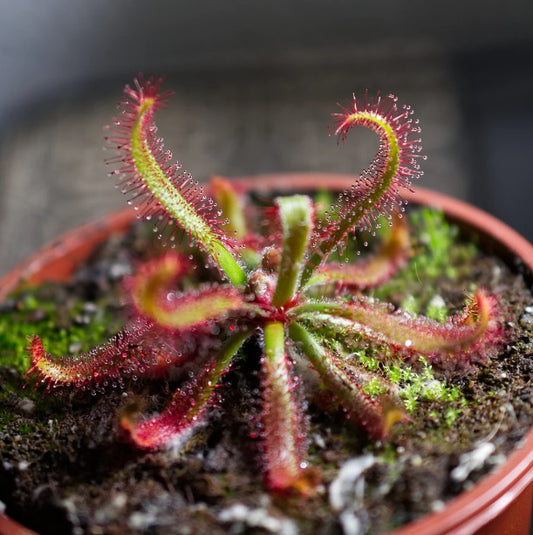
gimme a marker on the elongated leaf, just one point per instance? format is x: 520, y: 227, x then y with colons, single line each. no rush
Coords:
x: 188, y: 405
x: 195, y: 309
x: 376, y: 191
x: 161, y: 188
x: 283, y: 432
x: 376, y: 416
x: 138, y: 348
x: 474, y: 334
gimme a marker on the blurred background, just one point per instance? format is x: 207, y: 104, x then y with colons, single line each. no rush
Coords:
x: 255, y: 85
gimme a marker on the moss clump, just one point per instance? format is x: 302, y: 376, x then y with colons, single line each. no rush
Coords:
x: 67, y: 327
x: 437, y: 254
x: 423, y: 385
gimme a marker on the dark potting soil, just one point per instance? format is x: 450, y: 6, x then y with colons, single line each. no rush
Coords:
x: 65, y: 466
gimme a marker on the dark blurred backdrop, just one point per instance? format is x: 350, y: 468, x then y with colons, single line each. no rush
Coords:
x: 255, y: 83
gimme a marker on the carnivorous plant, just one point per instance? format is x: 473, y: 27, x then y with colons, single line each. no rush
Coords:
x: 280, y: 284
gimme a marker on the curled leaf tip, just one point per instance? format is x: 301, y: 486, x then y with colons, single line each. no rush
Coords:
x: 393, y: 414
x: 376, y: 191
x: 161, y: 190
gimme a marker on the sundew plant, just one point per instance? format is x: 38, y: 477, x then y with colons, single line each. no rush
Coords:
x: 281, y: 284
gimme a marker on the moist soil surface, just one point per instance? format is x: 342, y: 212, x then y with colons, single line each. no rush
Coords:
x: 66, y: 466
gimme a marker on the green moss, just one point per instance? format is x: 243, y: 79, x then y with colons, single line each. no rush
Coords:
x: 394, y: 373
x: 437, y: 254
x: 438, y: 237
x: 437, y: 309
x: 6, y: 415
x: 451, y: 414
x: 368, y: 360
x: 410, y: 304
x: 422, y: 385
x: 65, y: 328
x: 373, y: 388
x: 26, y: 429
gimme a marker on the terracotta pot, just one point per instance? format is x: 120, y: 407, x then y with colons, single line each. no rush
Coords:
x: 501, y: 503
